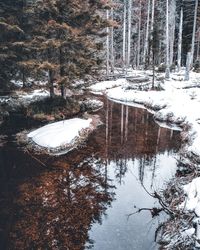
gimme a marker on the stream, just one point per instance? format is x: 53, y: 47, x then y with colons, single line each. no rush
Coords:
x: 82, y: 199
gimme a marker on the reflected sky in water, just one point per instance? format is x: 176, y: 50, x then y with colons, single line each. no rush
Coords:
x: 138, y: 153
x: 83, y: 198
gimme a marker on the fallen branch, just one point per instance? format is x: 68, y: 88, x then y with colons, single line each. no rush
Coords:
x: 154, y: 211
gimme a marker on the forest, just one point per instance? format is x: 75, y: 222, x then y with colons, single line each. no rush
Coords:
x: 62, y: 41
x: 99, y: 124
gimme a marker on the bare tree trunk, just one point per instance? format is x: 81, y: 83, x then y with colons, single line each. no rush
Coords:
x: 139, y: 37
x: 193, y: 33
x: 180, y: 40
x: 172, y: 20
x: 107, y: 46
x: 152, y: 15
x: 187, y: 69
x: 146, y: 43
x: 198, y: 44
x: 124, y: 37
x: 172, y: 16
x: 153, y: 79
x: 129, y: 32
x: 112, y: 45
x: 167, y: 72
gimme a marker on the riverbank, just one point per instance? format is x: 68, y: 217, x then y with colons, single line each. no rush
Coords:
x: 174, y: 102
x: 51, y: 115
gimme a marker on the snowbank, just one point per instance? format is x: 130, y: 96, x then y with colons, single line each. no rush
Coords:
x: 102, y: 86
x: 91, y: 104
x: 37, y: 93
x: 60, y: 135
x: 192, y: 191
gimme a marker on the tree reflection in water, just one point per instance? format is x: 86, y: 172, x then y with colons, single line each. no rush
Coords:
x: 55, y: 209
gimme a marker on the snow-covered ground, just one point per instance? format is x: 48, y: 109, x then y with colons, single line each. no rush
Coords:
x: 60, y: 135
x: 177, y: 102
x: 23, y: 98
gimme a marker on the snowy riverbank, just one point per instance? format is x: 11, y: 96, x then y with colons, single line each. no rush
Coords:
x: 177, y: 102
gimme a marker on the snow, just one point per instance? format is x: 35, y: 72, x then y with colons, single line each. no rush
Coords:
x: 60, y: 133
x: 192, y: 191
x: 29, y: 81
x: 188, y: 233
x: 35, y: 93
x: 92, y: 104
x: 101, y: 86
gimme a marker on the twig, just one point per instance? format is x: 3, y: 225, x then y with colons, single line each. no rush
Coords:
x: 35, y: 158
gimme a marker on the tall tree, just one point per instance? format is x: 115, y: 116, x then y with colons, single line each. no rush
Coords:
x: 167, y: 73
x: 180, y: 38
x: 194, y: 32
x: 11, y: 36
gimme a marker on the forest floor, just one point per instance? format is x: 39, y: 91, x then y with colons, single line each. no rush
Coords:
x: 175, y: 103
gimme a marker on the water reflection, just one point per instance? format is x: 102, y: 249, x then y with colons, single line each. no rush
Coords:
x: 96, y: 184
x: 138, y: 154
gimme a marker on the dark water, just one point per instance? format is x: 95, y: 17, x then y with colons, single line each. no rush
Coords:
x: 82, y: 199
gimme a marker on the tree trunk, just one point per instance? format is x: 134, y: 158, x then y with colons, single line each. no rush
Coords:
x: 187, y: 69
x: 153, y: 79
x: 112, y: 45
x: 152, y: 15
x: 180, y: 40
x: 172, y: 16
x: 107, y: 46
x: 146, y: 44
x: 167, y: 72
x: 23, y: 78
x: 124, y: 38
x: 129, y: 32
x: 51, y: 87
x: 193, y: 33
x: 198, y: 44
x: 62, y: 87
x: 139, y: 37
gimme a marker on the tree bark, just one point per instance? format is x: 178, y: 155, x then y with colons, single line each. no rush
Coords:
x: 107, y: 46
x: 51, y: 87
x: 193, y: 33
x: 187, y: 69
x: 112, y: 45
x: 167, y: 72
x: 124, y: 38
x: 146, y: 44
x: 139, y: 37
x: 129, y: 32
x: 180, y: 40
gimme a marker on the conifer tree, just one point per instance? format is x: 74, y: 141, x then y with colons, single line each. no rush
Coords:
x: 11, y: 36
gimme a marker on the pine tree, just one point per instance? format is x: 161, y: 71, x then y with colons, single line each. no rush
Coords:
x: 11, y: 38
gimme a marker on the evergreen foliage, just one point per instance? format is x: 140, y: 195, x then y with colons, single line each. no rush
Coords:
x: 58, y: 38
